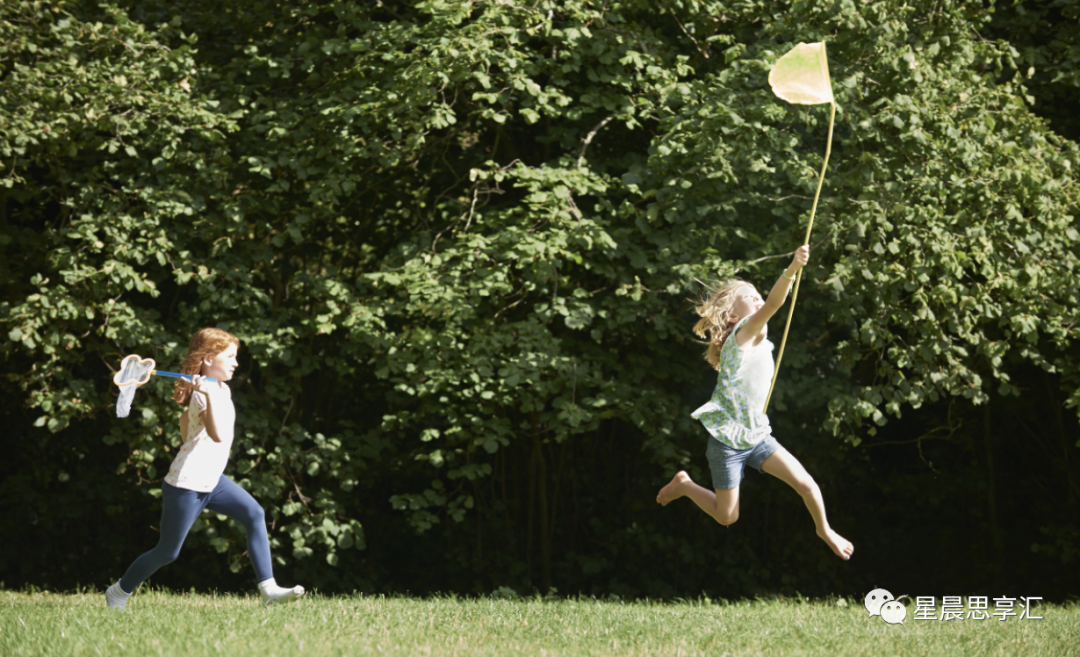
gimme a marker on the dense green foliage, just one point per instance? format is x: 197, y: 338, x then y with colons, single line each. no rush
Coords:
x: 458, y: 241
x: 1045, y: 38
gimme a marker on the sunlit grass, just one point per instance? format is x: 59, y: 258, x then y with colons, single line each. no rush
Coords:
x: 191, y: 625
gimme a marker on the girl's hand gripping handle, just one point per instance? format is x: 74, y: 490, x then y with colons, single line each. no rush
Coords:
x: 802, y: 256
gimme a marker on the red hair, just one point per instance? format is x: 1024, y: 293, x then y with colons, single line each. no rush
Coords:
x: 208, y: 342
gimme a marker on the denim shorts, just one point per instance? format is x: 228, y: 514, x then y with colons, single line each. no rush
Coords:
x: 727, y: 463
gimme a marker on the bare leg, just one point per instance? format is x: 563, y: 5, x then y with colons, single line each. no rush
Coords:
x: 782, y: 465
x: 722, y: 505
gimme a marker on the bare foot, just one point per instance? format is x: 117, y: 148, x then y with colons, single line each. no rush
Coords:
x: 674, y: 489
x: 840, y: 545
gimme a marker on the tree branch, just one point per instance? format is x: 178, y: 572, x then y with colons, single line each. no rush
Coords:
x: 588, y: 138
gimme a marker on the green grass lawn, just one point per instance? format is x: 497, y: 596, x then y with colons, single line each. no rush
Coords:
x: 191, y: 625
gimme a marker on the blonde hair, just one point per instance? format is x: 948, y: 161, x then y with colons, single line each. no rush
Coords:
x: 207, y: 342
x: 716, y: 311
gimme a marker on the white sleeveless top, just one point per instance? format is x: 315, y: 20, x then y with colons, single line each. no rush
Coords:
x: 201, y: 461
x: 735, y: 413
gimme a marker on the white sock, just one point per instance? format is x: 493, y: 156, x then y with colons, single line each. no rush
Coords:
x: 270, y: 592
x: 115, y: 596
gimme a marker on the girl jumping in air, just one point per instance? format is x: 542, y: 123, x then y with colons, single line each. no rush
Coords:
x: 195, y: 481
x: 734, y: 321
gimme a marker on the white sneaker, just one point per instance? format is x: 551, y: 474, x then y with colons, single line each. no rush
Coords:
x: 115, y: 597
x: 271, y: 593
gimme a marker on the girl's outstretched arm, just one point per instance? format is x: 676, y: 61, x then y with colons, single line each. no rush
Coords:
x: 755, y: 327
x: 213, y: 393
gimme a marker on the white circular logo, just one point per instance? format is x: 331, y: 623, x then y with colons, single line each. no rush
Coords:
x: 893, y: 612
x: 875, y: 599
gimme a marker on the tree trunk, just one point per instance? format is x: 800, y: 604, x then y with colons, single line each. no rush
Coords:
x: 540, y: 474
x: 991, y: 493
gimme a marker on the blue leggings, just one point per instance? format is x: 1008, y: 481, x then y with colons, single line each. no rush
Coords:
x: 182, y: 507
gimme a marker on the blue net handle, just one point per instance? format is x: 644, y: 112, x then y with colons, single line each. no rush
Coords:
x: 137, y: 370
x: 134, y: 372
x: 176, y: 375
